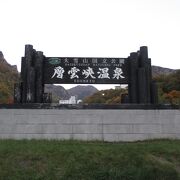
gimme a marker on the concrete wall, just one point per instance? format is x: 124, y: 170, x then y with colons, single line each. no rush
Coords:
x: 106, y: 125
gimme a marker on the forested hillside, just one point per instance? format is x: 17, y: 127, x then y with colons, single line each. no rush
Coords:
x: 82, y: 91
x: 169, y: 87
x: 110, y: 96
x: 8, y: 76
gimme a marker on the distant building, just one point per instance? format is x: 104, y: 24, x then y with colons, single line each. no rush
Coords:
x: 117, y: 87
x: 71, y: 100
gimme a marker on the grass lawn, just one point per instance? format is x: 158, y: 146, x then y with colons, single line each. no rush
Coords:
x: 64, y: 160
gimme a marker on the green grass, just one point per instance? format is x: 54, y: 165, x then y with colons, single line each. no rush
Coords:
x: 64, y: 160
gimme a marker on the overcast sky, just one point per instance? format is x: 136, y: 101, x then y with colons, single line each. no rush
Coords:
x: 91, y: 28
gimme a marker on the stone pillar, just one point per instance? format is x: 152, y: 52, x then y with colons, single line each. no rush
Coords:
x: 142, y: 95
x: 32, y: 76
x: 23, y: 79
x: 30, y: 97
x: 141, y: 89
x: 145, y: 68
x: 133, y: 79
x: 28, y: 75
x: 39, y: 77
x: 154, y: 93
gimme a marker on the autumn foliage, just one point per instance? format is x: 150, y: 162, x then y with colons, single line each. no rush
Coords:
x: 8, y: 76
x: 111, y: 96
x: 169, y: 88
x: 173, y: 97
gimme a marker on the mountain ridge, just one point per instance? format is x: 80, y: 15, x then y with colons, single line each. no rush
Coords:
x: 158, y: 70
x: 82, y: 91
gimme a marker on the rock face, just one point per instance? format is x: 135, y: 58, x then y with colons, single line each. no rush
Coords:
x: 5, y: 66
x: 3, y: 62
x: 2, y: 57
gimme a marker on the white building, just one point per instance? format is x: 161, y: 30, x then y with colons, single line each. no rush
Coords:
x: 71, y: 100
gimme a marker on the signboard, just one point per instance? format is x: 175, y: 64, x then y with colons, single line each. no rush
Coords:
x: 74, y: 70
x: 37, y: 70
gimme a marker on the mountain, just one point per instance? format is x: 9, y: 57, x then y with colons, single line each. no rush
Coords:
x: 157, y: 70
x: 58, y: 92
x: 82, y: 91
x: 8, y: 76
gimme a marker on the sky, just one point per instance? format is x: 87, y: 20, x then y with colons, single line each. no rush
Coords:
x: 91, y: 28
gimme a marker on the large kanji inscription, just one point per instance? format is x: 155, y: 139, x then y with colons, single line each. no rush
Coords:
x: 59, y: 70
